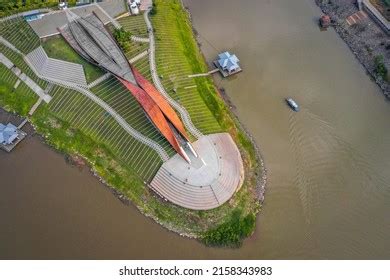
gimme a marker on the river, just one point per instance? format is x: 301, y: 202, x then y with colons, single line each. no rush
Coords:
x: 328, y: 192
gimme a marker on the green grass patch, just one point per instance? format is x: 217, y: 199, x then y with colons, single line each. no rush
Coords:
x: 19, y: 100
x: 22, y: 65
x: 57, y: 47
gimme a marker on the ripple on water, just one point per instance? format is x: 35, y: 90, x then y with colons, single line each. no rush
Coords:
x: 331, y: 173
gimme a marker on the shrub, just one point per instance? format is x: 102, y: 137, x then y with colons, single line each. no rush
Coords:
x: 232, y: 232
x: 380, y: 67
x: 123, y: 38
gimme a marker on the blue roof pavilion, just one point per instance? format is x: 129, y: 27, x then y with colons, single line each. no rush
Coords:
x: 8, y: 133
x: 228, y: 62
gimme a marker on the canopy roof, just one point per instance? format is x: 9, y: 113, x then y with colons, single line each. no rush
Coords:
x: 8, y: 133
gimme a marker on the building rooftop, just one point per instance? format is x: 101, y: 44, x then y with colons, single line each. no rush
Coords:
x: 8, y: 133
x: 228, y: 61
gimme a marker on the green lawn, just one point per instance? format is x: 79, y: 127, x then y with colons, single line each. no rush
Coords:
x: 18, y: 100
x: 75, y: 125
x: 177, y: 56
x: 57, y: 47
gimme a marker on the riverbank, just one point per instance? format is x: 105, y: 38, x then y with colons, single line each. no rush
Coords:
x: 227, y: 225
x: 366, y: 39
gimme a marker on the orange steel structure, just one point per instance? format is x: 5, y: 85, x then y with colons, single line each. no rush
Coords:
x: 158, y: 115
x: 91, y: 40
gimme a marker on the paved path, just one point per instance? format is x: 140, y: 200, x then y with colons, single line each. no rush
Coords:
x: 139, y: 39
x: 156, y: 80
x: 35, y: 106
x: 124, y: 15
x: 138, y: 56
x: 9, y: 45
x: 20, y: 126
x: 205, y: 184
x: 204, y: 74
x: 24, y: 78
x: 113, y: 21
x: 17, y: 84
x: 134, y: 133
x: 99, y: 80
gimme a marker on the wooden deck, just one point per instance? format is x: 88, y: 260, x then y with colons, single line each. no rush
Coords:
x: 225, y: 73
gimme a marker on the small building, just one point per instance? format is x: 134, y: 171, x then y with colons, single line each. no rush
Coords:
x: 8, y: 133
x: 10, y: 136
x: 227, y: 64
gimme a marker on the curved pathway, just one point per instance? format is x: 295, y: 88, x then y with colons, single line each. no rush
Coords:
x: 156, y: 80
x: 134, y: 133
x: 139, y: 39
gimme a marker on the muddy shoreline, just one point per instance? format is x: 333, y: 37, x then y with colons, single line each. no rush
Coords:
x: 365, y: 39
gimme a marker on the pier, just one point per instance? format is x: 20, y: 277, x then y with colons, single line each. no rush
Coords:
x: 11, y: 136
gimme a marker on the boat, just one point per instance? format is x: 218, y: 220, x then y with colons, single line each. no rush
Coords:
x: 292, y: 104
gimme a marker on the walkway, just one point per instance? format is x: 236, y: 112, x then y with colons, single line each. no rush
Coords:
x: 113, y: 21
x: 9, y: 45
x: 139, y: 39
x: 206, y: 183
x: 23, y: 77
x: 204, y: 74
x: 156, y: 80
x: 138, y: 56
x: 34, y: 107
x: 134, y: 133
x: 99, y: 80
x: 57, y: 69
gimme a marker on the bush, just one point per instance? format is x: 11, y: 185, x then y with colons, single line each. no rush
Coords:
x: 17, y: 6
x: 232, y: 232
x: 123, y: 38
x: 154, y: 10
x: 380, y: 67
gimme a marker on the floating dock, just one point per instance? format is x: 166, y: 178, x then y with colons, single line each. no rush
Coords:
x: 19, y: 136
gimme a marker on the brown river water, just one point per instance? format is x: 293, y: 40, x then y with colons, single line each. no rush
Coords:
x: 328, y: 193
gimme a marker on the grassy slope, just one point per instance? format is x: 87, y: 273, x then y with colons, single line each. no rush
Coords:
x: 19, y: 100
x: 56, y: 47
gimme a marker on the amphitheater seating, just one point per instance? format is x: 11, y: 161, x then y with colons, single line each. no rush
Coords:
x: 227, y: 178
x: 57, y: 69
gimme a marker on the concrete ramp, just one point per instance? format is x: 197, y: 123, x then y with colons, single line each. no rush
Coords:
x: 207, y: 182
x: 57, y: 69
